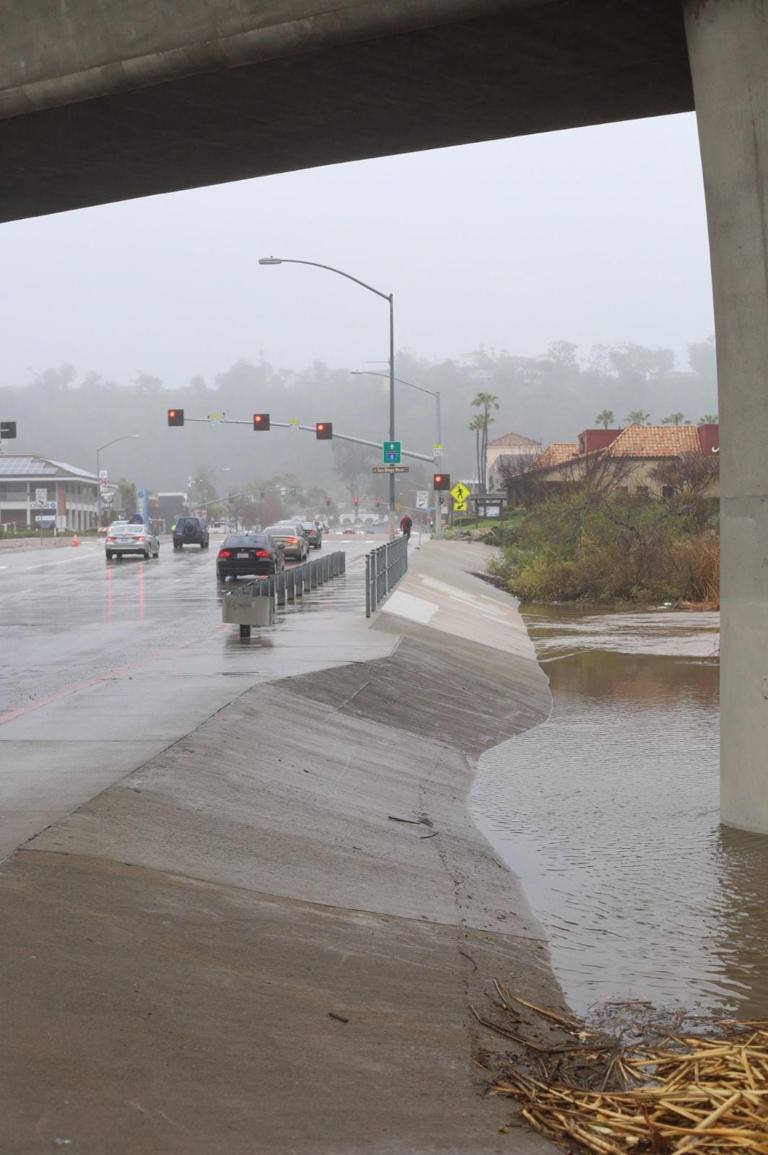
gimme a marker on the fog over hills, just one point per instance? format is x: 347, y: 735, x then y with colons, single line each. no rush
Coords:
x: 67, y: 414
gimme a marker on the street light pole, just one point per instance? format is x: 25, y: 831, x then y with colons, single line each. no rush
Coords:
x: 125, y: 437
x: 433, y: 393
x: 389, y: 297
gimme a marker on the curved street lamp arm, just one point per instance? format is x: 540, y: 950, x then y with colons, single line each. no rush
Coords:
x: 125, y: 437
x: 402, y: 381
x: 330, y: 268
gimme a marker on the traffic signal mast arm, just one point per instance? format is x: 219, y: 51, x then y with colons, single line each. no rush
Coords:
x: 310, y: 429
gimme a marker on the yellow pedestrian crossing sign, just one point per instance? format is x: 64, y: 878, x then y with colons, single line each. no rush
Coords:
x: 459, y: 493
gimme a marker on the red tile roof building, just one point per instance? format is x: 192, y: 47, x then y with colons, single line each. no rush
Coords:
x: 640, y: 447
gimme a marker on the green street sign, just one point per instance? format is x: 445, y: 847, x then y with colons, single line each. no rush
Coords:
x: 391, y: 452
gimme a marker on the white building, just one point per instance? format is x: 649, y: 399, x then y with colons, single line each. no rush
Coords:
x: 36, y: 493
x: 509, y: 445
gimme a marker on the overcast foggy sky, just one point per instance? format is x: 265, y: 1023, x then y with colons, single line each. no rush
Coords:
x: 594, y: 235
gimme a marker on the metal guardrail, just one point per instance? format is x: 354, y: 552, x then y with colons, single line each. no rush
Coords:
x: 384, y: 567
x: 295, y: 582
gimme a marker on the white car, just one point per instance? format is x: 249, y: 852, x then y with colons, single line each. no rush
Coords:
x: 125, y: 538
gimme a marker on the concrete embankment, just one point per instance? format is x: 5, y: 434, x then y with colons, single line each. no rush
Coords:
x: 269, y: 938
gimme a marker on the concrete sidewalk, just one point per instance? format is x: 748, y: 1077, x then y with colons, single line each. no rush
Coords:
x: 268, y: 938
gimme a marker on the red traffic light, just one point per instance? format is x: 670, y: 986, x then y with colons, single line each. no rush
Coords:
x: 175, y: 416
x: 328, y: 501
x: 355, y: 500
x: 323, y: 430
x: 378, y: 501
x: 441, y: 481
x: 261, y: 421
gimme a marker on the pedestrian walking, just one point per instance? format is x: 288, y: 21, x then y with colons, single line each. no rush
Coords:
x: 405, y: 526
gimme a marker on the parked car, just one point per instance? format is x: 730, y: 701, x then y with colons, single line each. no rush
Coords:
x: 292, y: 537
x: 314, y: 533
x: 249, y: 554
x: 128, y: 537
x: 190, y: 530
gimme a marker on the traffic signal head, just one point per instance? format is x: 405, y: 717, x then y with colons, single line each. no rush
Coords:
x: 328, y: 501
x: 441, y: 481
x: 261, y: 421
x: 355, y: 500
x: 175, y: 416
x: 378, y: 501
x: 323, y: 430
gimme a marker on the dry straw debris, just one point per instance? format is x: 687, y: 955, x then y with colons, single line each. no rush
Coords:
x: 684, y: 1095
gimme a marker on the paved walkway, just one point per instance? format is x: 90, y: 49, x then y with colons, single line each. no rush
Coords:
x: 269, y: 937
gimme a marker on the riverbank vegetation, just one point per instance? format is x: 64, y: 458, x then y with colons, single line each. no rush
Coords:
x: 600, y: 543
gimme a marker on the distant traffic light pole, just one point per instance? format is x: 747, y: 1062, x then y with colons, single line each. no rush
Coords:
x: 389, y: 297
x: 437, y: 448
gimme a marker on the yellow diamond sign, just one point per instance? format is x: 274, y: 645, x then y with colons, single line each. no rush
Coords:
x: 459, y: 506
x: 459, y: 492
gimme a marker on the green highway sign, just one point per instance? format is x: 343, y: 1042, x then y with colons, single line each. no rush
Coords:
x: 391, y: 452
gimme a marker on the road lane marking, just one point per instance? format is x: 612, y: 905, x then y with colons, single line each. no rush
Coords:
x: 113, y: 673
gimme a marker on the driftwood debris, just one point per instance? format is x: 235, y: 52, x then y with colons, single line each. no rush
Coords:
x: 686, y: 1094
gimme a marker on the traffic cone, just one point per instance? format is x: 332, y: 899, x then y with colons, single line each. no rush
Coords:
x: 75, y: 541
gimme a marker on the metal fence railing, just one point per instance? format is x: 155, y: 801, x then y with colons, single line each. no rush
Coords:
x: 294, y: 582
x: 384, y: 567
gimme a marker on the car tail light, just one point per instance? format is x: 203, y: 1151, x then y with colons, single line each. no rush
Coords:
x: 111, y: 539
x: 140, y: 537
x: 261, y: 553
x: 224, y: 553
x: 292, y: 540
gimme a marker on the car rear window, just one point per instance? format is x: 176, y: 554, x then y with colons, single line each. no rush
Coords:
x: 247, y: 541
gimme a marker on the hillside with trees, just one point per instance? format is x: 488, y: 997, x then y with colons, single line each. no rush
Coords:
x: 66, y: 414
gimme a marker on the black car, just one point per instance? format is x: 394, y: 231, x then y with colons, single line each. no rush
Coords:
x: 249, y: 555
x: 314, y: 533
x: 190, y: 530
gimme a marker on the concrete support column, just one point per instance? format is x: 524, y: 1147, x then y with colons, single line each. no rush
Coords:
x: 728, y: 48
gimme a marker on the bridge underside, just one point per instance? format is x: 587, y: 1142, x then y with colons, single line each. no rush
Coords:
x: 349, y: 81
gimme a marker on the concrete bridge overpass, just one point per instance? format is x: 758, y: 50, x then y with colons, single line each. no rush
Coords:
x: 133, y: 97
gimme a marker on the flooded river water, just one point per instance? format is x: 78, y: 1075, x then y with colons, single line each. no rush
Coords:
x: 608, y: 813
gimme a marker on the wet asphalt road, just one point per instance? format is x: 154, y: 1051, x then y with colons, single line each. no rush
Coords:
x: 105, y: 664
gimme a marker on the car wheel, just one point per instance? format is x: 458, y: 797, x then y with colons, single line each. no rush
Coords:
x: 177, y: 545
x: 221, y: 576
x: 156, y: 554
x: 109, y: 555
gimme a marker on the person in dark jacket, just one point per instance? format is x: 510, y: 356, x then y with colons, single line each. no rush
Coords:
x: 405, y: 525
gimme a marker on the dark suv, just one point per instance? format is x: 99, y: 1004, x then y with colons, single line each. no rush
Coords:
x: 190, y: 531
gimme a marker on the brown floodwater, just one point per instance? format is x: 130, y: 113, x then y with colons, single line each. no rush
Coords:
x: 608, y: 813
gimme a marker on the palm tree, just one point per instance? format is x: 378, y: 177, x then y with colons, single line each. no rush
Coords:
x: 709, y: 419
x: 479, y: 426
x: 637, y: 417
x: 605, y: 418
x: 674, y: 419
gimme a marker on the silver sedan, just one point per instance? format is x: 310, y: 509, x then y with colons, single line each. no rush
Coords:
x: 131, y: 538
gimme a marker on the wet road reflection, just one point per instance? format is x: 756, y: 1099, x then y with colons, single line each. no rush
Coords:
x: 608, y: 812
